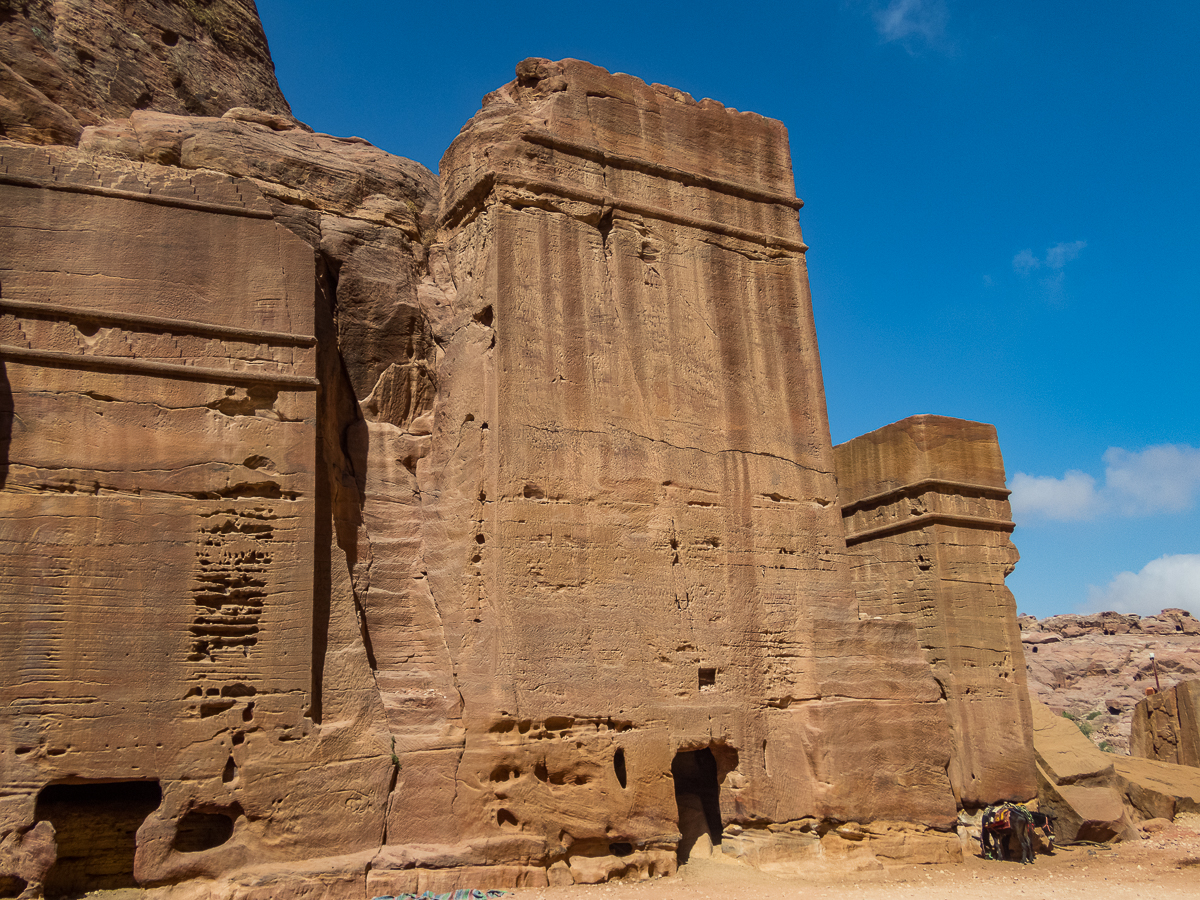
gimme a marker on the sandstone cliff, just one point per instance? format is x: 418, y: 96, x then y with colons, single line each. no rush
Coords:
x: 64, y: 66
x: 365, y: 531
x: 1097, y: 667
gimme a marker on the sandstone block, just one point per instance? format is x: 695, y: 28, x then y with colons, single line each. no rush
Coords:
x: 1166, y: 726
x: 1096, y: 814
x: 927, y: 522
x: 1148, y: 789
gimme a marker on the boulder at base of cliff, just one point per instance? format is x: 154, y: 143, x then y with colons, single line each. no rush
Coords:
x: 1098, y: 796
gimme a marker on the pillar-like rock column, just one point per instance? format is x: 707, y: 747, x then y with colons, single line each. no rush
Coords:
x: 643, y: 554
x: 927, y: 526
x: 1166, y: 726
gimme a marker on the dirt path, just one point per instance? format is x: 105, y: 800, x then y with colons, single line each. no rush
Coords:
x: 1165, y: 866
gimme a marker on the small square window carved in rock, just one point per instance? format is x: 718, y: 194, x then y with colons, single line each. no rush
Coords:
x: 708, y: 679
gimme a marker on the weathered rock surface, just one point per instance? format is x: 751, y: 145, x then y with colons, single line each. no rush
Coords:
x: 1166, y: 726
x: 163, y: 530
x: 1097, y: 668
x: 1098, y: 796
x: 67, y: 65
x: 365, y: 533
x: 928, y: 525
x: 623, y: 330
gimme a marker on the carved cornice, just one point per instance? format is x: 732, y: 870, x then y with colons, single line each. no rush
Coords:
x: 915, y: 523
x: 133, y: 322
x: 914, y: 488
x: 156, y: 199
x: 173, y: 371
x: 659, y: 170
x: 476, y: 197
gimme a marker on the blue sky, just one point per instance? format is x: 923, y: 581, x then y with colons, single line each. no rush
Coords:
x: 1002, y: 202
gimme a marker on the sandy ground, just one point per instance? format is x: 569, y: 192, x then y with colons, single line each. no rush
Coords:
x: 1165, y: 866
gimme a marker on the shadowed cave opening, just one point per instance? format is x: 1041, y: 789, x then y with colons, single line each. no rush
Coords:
x: 95, y: 828
x: 697, y: 797
x: 204, y: 829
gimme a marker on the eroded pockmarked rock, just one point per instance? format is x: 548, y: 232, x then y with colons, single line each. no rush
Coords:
x: 640, y: 540
x: 165, y: 540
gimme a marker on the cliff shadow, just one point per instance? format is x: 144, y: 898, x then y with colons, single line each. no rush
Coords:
x: 340, y: 486
x: 7, y: 412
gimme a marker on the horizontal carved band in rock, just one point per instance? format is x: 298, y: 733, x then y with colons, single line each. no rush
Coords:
x: 919, y: 487
x: 922, y: 521
x: 134, y: 322
x: 175, y: 371
x: 157, y: 199
x: 669, y: 173
x: 477, y: 196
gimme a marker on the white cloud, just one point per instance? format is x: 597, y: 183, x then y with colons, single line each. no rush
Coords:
x: 1164, y: 478
x: 1070, y: 498
x: 1056, y: 257
x: 904, y: 20
x: 1061, y: 254
x: 1169, y: 581
x: 1025, y: 262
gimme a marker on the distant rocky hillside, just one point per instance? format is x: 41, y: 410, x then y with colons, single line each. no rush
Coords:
x: 1095, y: 668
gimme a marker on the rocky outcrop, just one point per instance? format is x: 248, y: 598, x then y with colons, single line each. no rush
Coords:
x: 927, y: 526
x: 623, y: 328
x: 362, y: 531
x: 1166, y: 726
x: 1097, y: 796
x: 1096, y: 668
x: 67, y: 65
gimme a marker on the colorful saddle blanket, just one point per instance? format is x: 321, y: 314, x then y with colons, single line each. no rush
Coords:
x: 1003, y: 816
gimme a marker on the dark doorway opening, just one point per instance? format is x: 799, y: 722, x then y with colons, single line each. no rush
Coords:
x: 698, y: 799
x: 96, y: 830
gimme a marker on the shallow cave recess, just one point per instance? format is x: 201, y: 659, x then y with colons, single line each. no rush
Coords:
x: 205, y: 828
x: 95, y: 826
